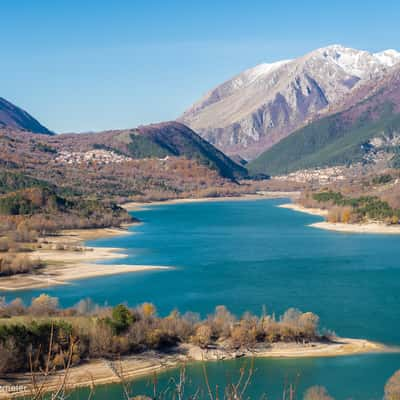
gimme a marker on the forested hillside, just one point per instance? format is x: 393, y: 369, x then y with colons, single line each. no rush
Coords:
x: 368, y: 128
x: 333, y: 140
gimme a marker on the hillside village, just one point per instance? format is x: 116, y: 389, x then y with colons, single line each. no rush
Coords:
x: 321, y: 176
x: 91, y: 156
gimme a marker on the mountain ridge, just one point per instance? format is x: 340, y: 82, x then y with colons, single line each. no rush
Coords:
x: 367, y: 129
x: 12, y: 116
x: 260, y: 106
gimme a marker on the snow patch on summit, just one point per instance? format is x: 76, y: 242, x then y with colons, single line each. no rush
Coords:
x: 388, y: 57
x: 359, y: 63
x: 263, y: 69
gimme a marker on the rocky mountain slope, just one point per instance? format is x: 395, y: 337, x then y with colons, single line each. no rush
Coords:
x: 12, y: 116
x: 367, y: 132
x: 261, y: 106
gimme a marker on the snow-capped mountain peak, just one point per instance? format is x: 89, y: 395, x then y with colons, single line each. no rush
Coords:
x: 260, y: 106
x: 388, y: 57
x: 358, y: 63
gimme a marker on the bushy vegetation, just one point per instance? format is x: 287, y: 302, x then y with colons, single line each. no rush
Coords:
x: 392, y: 387
x: 107, y: 332
x: 29, y: 214
x: 18, y: 264
x: 335, y: 198
x: 30, y: 201
x: 317, y: 393
x: 11, y: 181
x: 45, y: 148
x: 352, y: 209
x: 31, y: 204
x: 382, y: 179
x: 42, y: 337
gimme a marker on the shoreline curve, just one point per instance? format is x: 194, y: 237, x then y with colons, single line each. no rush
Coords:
x: 102, y: 372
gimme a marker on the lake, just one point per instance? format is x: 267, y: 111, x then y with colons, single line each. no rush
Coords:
x: 246, y: 254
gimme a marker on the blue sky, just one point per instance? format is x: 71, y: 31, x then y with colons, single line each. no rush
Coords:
x: 93, y: 65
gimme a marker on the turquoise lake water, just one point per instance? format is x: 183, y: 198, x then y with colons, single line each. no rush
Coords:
x: 246, y: 254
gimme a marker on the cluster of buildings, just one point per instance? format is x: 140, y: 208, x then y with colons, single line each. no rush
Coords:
x: 89, y: 157
x: 321, y: 176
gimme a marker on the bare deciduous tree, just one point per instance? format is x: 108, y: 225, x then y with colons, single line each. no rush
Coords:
x: 392, y: 387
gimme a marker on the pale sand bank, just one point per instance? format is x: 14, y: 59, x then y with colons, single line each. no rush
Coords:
x: 135, y: 206
x: 99, y: 372
x: 338, y: 347
x: 64, y: 266
x: 371, y: 227
x: 299, y: 208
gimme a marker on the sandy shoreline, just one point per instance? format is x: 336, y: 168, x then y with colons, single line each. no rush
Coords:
x: 67, y: 265
x: 312, y: 211
x: 134, y: 205
x: 370, y: 227
x: 101, y: 371
x: 64, y: 266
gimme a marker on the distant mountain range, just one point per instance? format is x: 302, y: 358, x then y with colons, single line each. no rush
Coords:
x: 261, y: 106
x: 366, y: 130
x: 333, y: 106
x: 12, y: 116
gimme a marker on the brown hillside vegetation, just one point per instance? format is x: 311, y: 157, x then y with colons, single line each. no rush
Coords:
x: 111, y: 331
x: 158, y: 162
x: 132, y: 170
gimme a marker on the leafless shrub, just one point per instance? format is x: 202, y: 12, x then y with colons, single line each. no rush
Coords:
x: 44, y: 305
x: 392, y: 387
x: 13, y: 264
x: 317, y: 393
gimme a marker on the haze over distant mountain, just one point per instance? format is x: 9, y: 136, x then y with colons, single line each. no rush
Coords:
x: 367, y: 130
x: 259, y: 107
x: 12, y: 116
